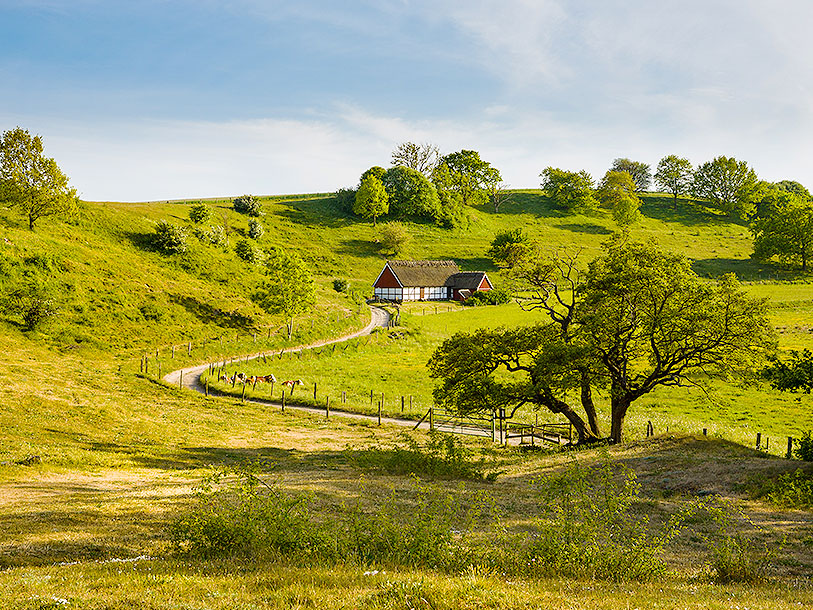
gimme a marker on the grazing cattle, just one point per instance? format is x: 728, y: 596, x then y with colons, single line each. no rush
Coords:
x: 291, y: 383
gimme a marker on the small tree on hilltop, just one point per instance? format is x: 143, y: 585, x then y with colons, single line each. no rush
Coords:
x: 728, y: 184
x: 200, y: 213
x: 288, y: 288
x: 30, y: 181
x: 468, y: 175
x: 674, y: 175
x: 784, y: 228
x: 572, y: 191
x: 372, y: 200
x: 247, y: 204
x: 420, y: 157
x: 638, y: 171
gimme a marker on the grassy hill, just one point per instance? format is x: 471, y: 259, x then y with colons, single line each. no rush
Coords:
x: 119, y: 453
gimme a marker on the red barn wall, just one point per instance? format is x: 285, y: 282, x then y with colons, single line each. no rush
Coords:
x: 387, y: 279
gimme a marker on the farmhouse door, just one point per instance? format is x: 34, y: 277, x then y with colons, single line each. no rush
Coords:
x: 421, y: 293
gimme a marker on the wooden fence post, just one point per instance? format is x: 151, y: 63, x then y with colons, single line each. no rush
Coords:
x: 402, y: 404
x: 371, y: 398
x: 283, y: 399
x: 234, y: 379
x: 344, y: 397
x: 379, y: 413
x: 243, y: 393
x: 759, y: 440
x: 705, y: 432
x: 173, y: 352
x: 189, y: 349
x: 159, y: 370
x: 141, y: 365
x: 431, y: 418
x: 207, y: 384
x: 314, y: 390
x: 180, y: 380
x: 789, y: 453
x: 327, y: 407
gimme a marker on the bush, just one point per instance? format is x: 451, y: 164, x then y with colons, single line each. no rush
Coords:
x: 247, y: 204
x: 804, y: 447
x: 250, y: 253
x: 169, y: 238
x: 498, y: 296
x: 393, y: 238
x: 200, y: 213
x: 33, y: 302
x: 340, y: 285
x: 346, y: 199
x: 255, y: 229
x: 214, y: 235
x: 792, y: 490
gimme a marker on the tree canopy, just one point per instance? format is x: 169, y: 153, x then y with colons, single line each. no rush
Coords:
x: 467, y: 175
x: 638, y: 171
x: 420, y: 157
x: 674, y: 175
x: 509, y: 247
x: 288, y: 288
x: 31, y: 182
x: 637, y: 319
x: 572, y: 191
x: 728, y: 184
x: 371, y: 200
x: 784, y: 228
x: 617, y: 192
x: 410, y: 193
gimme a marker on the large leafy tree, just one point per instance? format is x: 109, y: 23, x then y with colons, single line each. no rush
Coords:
x: 420, y: 157
x: 638, y: 171
x: 674, y: 175
x: 784, y: 228
x: 288, y: 288
x: 467, y: 175
x: 617, y: 192
x: 728, y: 184
x: 572, y: 191
x: 30, y: 181
x: 371, y: 200
x: 636, y: 320
x: 509, y: 247
x: 410, y: 193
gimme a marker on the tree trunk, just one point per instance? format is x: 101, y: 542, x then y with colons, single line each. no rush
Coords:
x: 555, y: 405
x: 290, y: 325
x: 587, y: 403
x: 618, y: 411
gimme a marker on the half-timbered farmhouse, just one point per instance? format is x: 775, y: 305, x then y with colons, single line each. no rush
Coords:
x: 428, y: 281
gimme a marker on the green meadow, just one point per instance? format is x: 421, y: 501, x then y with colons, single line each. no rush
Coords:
x: 99, y: 459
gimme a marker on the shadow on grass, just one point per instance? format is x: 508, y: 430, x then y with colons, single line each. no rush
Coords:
x: 359, y: 247
x: 322, y: 212
x: 688, y: 212
x: 210, y: 314
x: 527, y: 202
x: 586, y: 227
x: 745, y: 269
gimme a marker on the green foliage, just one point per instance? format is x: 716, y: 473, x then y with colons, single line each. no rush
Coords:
x: 466, y: 175
x: 393, y: 238
x: 169, y: 238
x: 617, y: 192
x: 587, y: 528
x: 30, y: 182
x: 249, y: 252
x: 372, y: 200
x: 572, y: 191
x: 200, y: 213
x: 443, y: 456
x: 793, y: 375
x: 246, y: 518
x: 804, y: 447
x: 288, y: 288
x: 796, y: 188
x: 420, y: 157
x: 498, y: 296
x: 637, y: 170
x: 784, y: 228
x: 674, y: 175
x: 346, y: 199
x: 509, y: 247
x: 215, y: 235
x: 340, y: 285
x: 255, y: 229
x: 33, y: 300
x: 247, y: 204
x: 728, y: 184
x: 626, y: 211
x: 793, y: 489
x: 411, y: 195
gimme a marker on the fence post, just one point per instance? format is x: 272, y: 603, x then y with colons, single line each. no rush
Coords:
x: 243, y: 393
x: 189, y: 349
x: 789, y: 454
x: 327, y: 407
x: 173, y: 352
x: 402, y: 404
x: 314, y: 390
x: 180, y: 380
x: 207, y: 384
x: 379, y: 413
x: 705, y: 432
x: 283, y: 399
x: 431, y: 418
x: 410, y: 402
x: 759, y: 440
x: 371, y: 398
x: 141, y: 365
x: 344, y: 396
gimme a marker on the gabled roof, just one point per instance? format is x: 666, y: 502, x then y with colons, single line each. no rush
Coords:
x: 468, y: 280
x: 424, y: 273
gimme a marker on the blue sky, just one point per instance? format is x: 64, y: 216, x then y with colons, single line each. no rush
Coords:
x: 168, y: 99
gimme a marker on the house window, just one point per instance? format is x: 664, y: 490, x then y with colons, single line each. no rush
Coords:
x: 435, y: 293
x: 389, y: 294
x: 412, y: 294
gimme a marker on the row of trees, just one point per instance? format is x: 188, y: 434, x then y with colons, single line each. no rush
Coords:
x: 423, y: 185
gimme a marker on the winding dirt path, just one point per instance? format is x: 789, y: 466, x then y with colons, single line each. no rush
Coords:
x: 379, y: 318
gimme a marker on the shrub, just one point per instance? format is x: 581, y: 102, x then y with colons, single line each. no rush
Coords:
x: 792, y: 490
x: 169, y: 238
x: 247, y: 204
x: 804, y: 447
x: 200, y: 213
x: 33, y: 302
x: 214, y: 235
x: 393, y: 238
x: 250, y: 253
x: 498, y: 296
x: 346, y: 199
x: 340, y: 285
x: 255, y: 229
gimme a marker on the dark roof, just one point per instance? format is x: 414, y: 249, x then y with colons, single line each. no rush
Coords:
x: 468, y: 280
x: 424, y: 273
